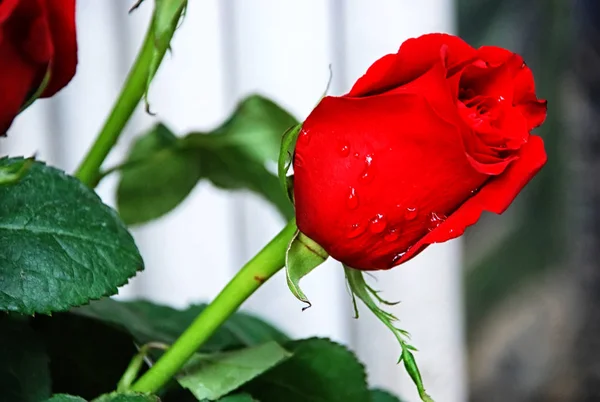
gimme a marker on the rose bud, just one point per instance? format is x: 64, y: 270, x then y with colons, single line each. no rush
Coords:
x: 424, y: 142
x: 37, y: 37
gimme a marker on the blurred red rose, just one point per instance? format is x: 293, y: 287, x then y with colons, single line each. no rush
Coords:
x: 424, y: 142
x: 36, y: 36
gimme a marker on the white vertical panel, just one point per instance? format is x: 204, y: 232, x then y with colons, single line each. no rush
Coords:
x: 189, y: 253
x: 282, y: 49
x: 429, y: 286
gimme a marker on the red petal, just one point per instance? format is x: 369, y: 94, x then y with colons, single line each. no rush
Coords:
x: 15, y: 82
x: 6, y: 9
x: 534, y: 112
x: 415, y: 57
x: 61, y: 17
x: 495, y: 196
x: 494, y: 56
x: 401, y: 155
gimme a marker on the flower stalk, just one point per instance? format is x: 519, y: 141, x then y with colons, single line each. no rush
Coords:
x: 150, y: 55
x: 258, y: 270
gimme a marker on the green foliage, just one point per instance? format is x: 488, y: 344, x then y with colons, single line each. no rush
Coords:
x: 149, y: 322
x: 84, y: 352
x: 12, y: 172
x: 65, y: 398
x: 24, y: 374
x: 213, y: 376
x: 379, y: 395
x: 303, y: 255
x: 127, y: 397
x: 87, y: 356
x: 319, y: 370
x: 61, y: 246
x: 238, y: 398
x: 158, y: 176
x: 162, y: 169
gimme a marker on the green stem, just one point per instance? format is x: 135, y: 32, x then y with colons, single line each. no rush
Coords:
x: 259, y: 269
x: 151, y: 53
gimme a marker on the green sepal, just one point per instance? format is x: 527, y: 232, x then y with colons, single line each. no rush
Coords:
x: 38, y: 92
x: 302, y: 256
x: 360, y: 289
x: 286, y: 155
x: 12, y: 173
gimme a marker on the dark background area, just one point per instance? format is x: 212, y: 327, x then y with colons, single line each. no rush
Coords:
x: 532, y: 277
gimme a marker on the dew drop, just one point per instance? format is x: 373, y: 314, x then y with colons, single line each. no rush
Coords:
x: 436, y: 220
x: 367, y: 174
x: 377, y: 223
x: 410, y: 214
x: 355, y: 230
x: 344, y: 150
x: 356, y: 155
x: 352, y: 201
x: 397, y: 258
x: 391, y: 235
x: 304, y: 137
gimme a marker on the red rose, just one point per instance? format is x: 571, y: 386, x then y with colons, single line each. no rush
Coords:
x: 424, y: 142
x: 35, y: 36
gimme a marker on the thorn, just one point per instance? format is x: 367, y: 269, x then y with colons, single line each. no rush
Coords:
x: 135, y: 6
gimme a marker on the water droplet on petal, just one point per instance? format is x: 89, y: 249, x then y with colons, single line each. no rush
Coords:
x: 436, y: 220
x: 391, y: 235
x: 304, y: 137
x: 473, y: 192
x: 410, y: 214
x: 344, y: 150
x: 397, y: 258
x: 355, y: 230
x: 367, y: 174
x: 377, y: 223
x: 352, y: 201
x: 356, y: 155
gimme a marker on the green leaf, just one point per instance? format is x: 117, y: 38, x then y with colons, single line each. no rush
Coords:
x: 87, y: 356
x: 24, y: 373
x: 65, y: 398
x: 213, y: 376
x: 61, y: 246
x: 318, y: 371
x: 157, y: 177
x: 286, y: 157
x: 239, y: 398
x: 127, y: 397
x: 379, y: 395
x: 149, y: 322
x: 257, y: 126
x: 302, y: 256
x: 13, y: 172
x: 162, y: 169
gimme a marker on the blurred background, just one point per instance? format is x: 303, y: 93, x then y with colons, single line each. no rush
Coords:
x: 510, y: 312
